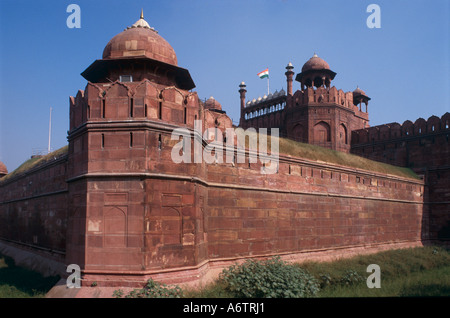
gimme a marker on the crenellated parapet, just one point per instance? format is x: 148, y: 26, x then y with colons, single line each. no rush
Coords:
x: 265, y: 105
x: 133, y: 100
x: 408, y: 129
x: 323, y: 95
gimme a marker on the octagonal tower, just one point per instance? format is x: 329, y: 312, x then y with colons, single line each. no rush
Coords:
x: 126, y: 217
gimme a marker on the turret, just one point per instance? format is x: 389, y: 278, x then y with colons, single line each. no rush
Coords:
x: 315, y: 73
x: 242, y: 92
x: 359, y: 97
x: 3, y: 170
x: 289, y: 78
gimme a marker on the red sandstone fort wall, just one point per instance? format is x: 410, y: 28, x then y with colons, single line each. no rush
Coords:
x: 423, y: 146
x: 307, y: 207
x: 132, y: 211
x: 156, y: 215
x: 33, y: 208
x: 415, y: 145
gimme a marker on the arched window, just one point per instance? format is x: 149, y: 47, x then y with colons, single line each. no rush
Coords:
x: 322, y: 132
x: 343, y: 136
x: 115, y: 227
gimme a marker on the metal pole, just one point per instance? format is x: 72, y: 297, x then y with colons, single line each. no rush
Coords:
x: 49, y: 131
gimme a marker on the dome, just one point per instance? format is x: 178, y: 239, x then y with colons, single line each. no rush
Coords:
x: 211, y: 103
x: 3, y: 170
x: 315, y: 63
x: 360, y: 96
x: 140, y: 40
x: 359, y: 91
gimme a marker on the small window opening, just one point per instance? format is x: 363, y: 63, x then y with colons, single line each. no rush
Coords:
x: 125, y: 78
x: 131, y: 107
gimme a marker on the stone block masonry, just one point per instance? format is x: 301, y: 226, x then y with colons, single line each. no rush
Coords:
x: 117, y: 205
x: 422, y: 146
x: 33, y: 209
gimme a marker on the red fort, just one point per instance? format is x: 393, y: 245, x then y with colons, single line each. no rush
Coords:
x: 114, y: 202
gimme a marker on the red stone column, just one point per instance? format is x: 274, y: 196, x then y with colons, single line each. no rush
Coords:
x: 242, y: 92
x: 289, y: 78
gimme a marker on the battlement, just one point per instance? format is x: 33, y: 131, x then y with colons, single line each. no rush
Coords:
x: 265, y: 105
x: 324, y: 95
x: 421, y: 127
x: 133, y: 100
x: 278, y: 101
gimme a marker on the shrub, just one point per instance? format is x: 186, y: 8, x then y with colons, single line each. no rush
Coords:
x: 325, y: 280
x: 271, y: 278
x: 351, y: 277
x: 152, y: 289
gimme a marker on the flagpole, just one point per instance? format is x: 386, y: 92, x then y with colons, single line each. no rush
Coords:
x: 49, y: 131
x: 268, y: 90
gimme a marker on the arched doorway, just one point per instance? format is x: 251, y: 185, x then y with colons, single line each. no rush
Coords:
x: 322, y: 133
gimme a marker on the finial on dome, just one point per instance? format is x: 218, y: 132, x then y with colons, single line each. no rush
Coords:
x: 315, y: 55
x: 141, y: 23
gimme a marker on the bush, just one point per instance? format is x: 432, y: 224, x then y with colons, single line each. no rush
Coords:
x: 271, y: 278
x: 351, y: 277
x: 325, y: 280
x: 152, y: 289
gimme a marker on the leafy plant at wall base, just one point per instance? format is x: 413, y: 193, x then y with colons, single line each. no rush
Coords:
x: 152, y: 289
x: 351, y: 277
x: 271, y: 278
x: 325, y: 280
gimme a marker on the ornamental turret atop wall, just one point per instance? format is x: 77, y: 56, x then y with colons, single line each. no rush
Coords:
x: 139, y: 53
x: 315, y: 73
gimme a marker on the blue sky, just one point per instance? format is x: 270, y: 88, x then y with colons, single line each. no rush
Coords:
x: 404, y: 66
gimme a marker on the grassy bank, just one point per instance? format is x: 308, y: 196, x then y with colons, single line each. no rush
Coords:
x: 17, y: 282
x: 414, y: 272
x: 35, y: 162
x: 297, y: 149
x: 422, y: 271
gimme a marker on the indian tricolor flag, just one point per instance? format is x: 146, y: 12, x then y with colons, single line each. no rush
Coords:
x: 264, y: 74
